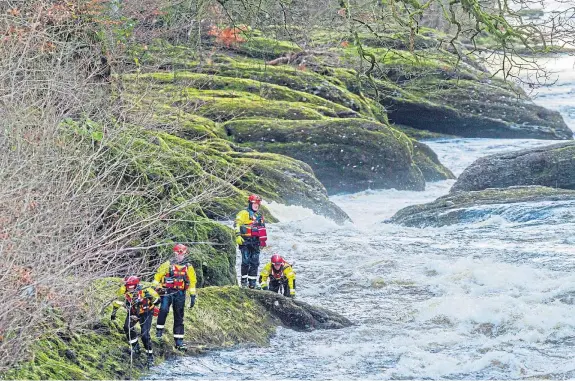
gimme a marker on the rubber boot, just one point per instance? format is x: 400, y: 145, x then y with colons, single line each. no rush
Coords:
x: 150, y: 360
x: 136, y: 349
x: 159, y: 332
x: 244, y: 283
x: 252, y: 283
x: 180, y: 345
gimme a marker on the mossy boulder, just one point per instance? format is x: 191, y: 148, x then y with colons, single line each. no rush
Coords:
x: 422, y: 82
x: 323, y: 84
x: 432, y: 89
x: 296, y: 314
x: 346, y: 151
x: 221, y: 318
x: 223, y: 98
x: 220, y: 175
x: 475, y: 205
x: 552, y: 166
x: 212, y: 246
x: 346, y: 155
x: 480, y: 108
x: 187, y: 126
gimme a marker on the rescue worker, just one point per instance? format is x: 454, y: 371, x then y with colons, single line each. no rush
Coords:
x: 280, y: 273
x: 175, y: 279
x: 142, y: 305
x: 250, y: 237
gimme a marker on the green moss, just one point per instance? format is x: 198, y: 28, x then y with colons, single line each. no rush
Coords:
x: 223, y: 110
x: 266, y: 48
x: 226, y: 316
x: 223, y: 316
x: 346, y: 155
x: 185, y: 125
x: 391, y: 38
x: 270, y: 82
x: 203, y: 90
x: 322, y: 85
x: 399, y: 66
x: 221, y: 175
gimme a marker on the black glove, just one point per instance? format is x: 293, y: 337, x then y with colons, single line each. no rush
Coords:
x: 192, y: 301
x: 113, y: 316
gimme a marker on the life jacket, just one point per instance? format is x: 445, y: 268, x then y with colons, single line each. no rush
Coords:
x: 177, y: 277
x: 256, y: 231
x: 279, y: 274
x: 138, y: 302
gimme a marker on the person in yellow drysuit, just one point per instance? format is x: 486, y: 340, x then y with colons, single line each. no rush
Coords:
x: 279, y: 273
x: 175, y: 279
x: 142, y: 305
x: 250, y: 236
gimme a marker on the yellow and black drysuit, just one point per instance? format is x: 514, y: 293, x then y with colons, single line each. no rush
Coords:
x: 175, y: 281
x: 140, y: 305
x: 284, y: 276
x: 246, y: 221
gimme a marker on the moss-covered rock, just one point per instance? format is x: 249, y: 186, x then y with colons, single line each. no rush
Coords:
x: 187, y: 126
x: 346, y: 155
x: 492, y: 108
x: 222, y: 317
x: 221, y: 175
x: 552, y: 166
x: 432, y: 89
x: 323, y: 84
x: 421, y: 81
x: 266, y: 48
x: 216, y: 94
x: 462, y: 206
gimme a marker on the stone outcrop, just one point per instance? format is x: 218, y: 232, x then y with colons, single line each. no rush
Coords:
x: 551, y: 166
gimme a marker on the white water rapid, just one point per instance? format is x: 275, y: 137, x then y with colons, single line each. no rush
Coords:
x: 486, y: 299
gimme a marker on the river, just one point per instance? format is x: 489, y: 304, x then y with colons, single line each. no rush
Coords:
x: 484, y: 299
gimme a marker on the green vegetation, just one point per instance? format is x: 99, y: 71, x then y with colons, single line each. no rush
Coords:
x: 222, y: 317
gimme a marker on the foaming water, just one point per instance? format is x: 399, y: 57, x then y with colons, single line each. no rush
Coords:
x: 490, y: 298
x: 458, y: 154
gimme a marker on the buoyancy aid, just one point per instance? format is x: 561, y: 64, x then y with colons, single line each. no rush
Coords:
x: 277, y: 274
x: 256, y: 229
x: 176, y: 277
x: 138, y: 302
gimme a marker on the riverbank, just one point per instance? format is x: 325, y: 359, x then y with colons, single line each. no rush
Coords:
x: 222, y: 318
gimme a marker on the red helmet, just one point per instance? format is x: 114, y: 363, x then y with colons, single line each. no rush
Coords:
x: 255, y: 198
x: 277, y: 260
x: 131, y: 282
x: 180, y: 248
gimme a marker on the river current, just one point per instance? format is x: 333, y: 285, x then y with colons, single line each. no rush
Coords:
x: 489, y: 298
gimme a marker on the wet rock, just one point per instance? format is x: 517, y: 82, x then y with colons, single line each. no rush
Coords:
x: 463, y: 108
x: 346, y: 155
x: 552, y: 166
x: 296, y: 314
x: 461, y: 206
